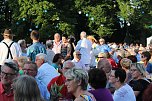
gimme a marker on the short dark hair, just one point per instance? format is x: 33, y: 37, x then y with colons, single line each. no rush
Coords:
x: 56, y: 57
x: 97, y: 78
x: 121, y: 73
x: 35, y: 35
x: 133, y: 58
x: 65, y: 35
x: 146, y: 54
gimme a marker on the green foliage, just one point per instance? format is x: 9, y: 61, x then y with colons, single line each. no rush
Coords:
x: 64, y: 16
x: 55, y: 92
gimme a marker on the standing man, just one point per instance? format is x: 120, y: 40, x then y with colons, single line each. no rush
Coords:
x: 57, y: 43
x: 84, y: 46
x: 8, y: 48
x: 36, y: 47
x: 9, y: 72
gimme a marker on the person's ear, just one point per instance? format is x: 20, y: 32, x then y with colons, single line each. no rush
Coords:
x: 117, y: 79
x: 79, y: 83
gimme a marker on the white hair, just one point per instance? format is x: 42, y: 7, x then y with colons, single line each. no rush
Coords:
x: 69, y: 63
x: 42, y: 56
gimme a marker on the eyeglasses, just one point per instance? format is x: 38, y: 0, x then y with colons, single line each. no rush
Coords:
x: 7, y: 74
x: 29, y: 70
x: 78, y: 54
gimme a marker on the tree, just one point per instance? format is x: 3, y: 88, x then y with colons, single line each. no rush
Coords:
x: 101, y: 17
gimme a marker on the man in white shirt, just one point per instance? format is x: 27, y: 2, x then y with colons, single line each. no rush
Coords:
x: 45, y: 71
x: 57, y: 43
x: 123, y: 91
x: 8, y: 48
x: 84, y: 46
x: 78, y: 61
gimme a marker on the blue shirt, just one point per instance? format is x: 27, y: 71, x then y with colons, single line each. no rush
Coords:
x: 46, y: 73
x: 43, y: 90
x: 35, y: 49
x: 104, y: 48
x: 149, y: 68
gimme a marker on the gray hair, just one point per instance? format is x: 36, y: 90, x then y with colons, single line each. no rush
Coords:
x: 42, y: 56
x: 140, y: 68
x: 11, y: 64
x: 49, y: 43
x: 26, y: 89
x: 21, y: 42
x: 68, y: 63
x: 79, y: 75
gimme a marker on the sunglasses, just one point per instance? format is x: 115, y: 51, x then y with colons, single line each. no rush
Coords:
x: 100, y: 57
x: 142, y: 56
x: 78, y: 54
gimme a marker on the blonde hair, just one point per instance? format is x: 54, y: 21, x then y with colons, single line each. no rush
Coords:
x: 90, y: 37
x: 21, y: 61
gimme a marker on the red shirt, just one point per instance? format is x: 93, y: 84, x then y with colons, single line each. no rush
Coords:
x: 113, y: 63
x: 4, y: 96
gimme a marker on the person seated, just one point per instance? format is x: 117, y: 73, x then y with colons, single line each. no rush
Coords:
x: 78, y: 61
x: 30, y: 68
x: 76, y: 82
x: 125, y: 64
x: 46, y: 72
x: 97, y: 81
x: 60, y: 81
x: 123, y: 91
x: 139, y: 81
x: 26, y: 89
x: 9, y: 71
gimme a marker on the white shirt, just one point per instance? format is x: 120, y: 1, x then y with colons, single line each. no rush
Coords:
x: 56, y: 47
x: 84, y: 46
x: 46, y: 73
x: 15, y: 50
x: 124, y: 93
x: 80, y: 64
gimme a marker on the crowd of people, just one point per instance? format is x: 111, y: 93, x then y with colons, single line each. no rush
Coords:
x: 62, y: 70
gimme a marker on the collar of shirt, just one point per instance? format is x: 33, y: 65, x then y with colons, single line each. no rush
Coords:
x: 2, y: 91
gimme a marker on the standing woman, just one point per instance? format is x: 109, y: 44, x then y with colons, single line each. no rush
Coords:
x: 65, y: 48
x: 76, y: 82
x: 26, y: 89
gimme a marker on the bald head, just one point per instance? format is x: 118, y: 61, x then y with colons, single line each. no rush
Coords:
x: 83, y: 34
x: 105, y: 65
x: 57, y: 37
